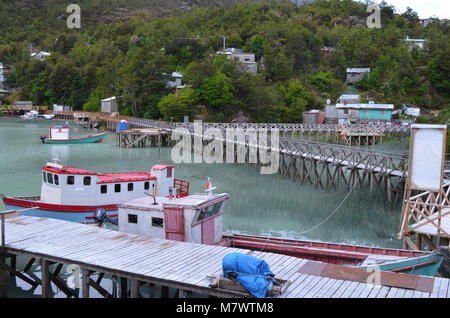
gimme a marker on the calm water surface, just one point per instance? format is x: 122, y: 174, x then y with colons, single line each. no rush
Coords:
x: 259, y: 204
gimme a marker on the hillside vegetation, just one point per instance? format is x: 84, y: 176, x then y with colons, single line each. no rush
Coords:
x: 130, y: 48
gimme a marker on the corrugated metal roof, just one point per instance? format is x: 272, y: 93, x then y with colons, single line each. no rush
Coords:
x: 358, y: 70
x: 366, y: 106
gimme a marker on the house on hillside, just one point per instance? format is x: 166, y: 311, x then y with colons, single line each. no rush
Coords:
x: 350, y: 113
x: 41, y: 55
x: 414, y: 43
x: 25, y: 105
x: 356, y: 74
x: 109, y: 105
x: 247, y: 59
x: 4, y: 69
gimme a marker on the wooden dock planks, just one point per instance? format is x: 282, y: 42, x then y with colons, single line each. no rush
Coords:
x: 171, y: 263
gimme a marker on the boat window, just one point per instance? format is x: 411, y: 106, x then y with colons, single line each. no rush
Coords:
x: 201, y: 215
x: 71, y: 180
x: 87, y: 181
x: 44, y: 174
x: 56, y: 179
x: 209, y: 210
x: 49, y: 178
x: 132, y: 218
x: 216, y: 208
x: 103, y: 188
x: 146, y: 185
x: 157, y: 222
x: 169, y: 172
x: 117, y: 187
x: 130, y: 186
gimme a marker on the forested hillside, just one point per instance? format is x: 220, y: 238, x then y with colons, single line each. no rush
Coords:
x: 130, y: 48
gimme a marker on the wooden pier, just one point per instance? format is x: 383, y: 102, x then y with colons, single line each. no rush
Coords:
x: 360, y: 135
x: 137, y: 261
x: 149, y: 137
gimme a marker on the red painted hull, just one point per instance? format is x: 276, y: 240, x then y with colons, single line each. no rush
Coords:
x: 333, y: 253
x: 55, y: 207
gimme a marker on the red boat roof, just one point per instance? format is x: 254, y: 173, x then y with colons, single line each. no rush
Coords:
x: 161, y: 167
x: 124, y: 177
x: 103, y: 177
x: 68, y: 170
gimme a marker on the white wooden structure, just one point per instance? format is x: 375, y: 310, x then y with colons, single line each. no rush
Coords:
x: 109, y: 105
x: 196, y: 218
x: 167, y: 263
x: 426, y: 204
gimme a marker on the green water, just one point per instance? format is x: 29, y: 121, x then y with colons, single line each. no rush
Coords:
x: 259, y: 204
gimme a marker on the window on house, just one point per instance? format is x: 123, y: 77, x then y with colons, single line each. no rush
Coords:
x: 50, y: 178
x: 157, y: 222
x: 56, y: 179
x: 44, y: 174
x: 87, y: 181
x: 70, y: 180
x: 381, y: 112
x: 117, y: 188
x: 130, y: 186
x: 146, y: 185
x: 366, y: 112
x: 132, y: 218
x: 169, y: 172
x: 103, y: 188
x: 346, y: 111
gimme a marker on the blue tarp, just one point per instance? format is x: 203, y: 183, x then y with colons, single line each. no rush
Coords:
x: 259, y: 272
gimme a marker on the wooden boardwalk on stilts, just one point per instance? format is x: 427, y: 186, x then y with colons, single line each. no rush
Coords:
x: 141, y: 260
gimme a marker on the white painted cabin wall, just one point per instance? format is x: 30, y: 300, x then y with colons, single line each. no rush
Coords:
x: 80, y: 194
x: 162, y: 182
x: 60, y: 133
x: 144, y: 225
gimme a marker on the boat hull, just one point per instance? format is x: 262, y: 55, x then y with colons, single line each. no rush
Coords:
x: 72, y: 213
x: 401, y: 261
x: 82, y: 140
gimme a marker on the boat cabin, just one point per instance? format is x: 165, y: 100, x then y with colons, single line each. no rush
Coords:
x: 73, y: 186
x: 196, y: 218
x: 59, y: 132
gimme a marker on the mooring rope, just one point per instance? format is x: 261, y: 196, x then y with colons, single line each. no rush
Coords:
x: 334, y: 212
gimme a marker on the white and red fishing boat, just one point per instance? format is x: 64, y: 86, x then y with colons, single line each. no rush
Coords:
x: 60, y: 135
x: 197, y: 218
x: 73, y: 194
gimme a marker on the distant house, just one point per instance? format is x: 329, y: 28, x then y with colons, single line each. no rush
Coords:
x: 414, y: 43
x: 109, y: 105
x: 62, y: 108
x: 313, y: 116
x: 356, y: 74
x: 348, y: 113
x: 177, y: 82
x: 25, y: 105
x: 331, y: 112
x: 3, y: 95
x: 41, y: 55
x: 348, y: 99
x: 4, y: 69
x: 247, y: 59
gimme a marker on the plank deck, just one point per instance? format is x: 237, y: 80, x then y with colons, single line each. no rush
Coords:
x: 170, y: 263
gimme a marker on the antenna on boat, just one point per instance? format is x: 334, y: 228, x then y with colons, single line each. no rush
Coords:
x: 209, y: 187
x: 154, y: 199
x: 57, y: 159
